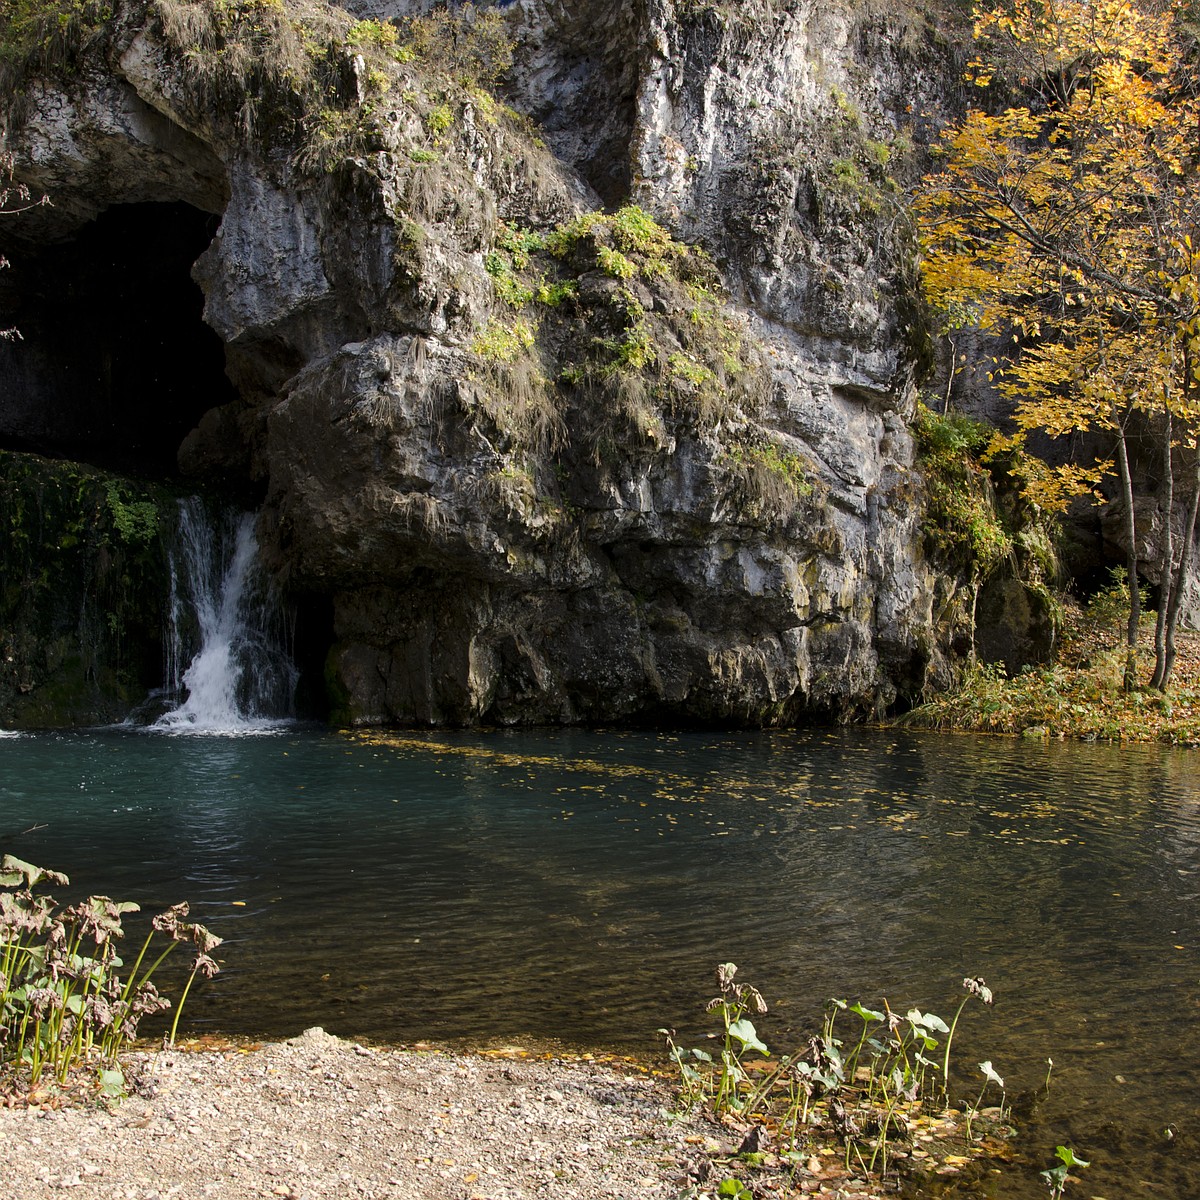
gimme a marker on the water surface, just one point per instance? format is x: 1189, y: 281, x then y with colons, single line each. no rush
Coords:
x: 581, y: 887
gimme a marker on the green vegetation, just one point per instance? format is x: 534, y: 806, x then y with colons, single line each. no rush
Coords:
x: 976, y: 524
x: 769, y: 481
x: 468, y: 44
x: 500, y: 343
x: 64, y: 1009
x: 874, y: 1087
x: 1062, y: 216
x: 1082, y: 694
x: 963, y: 525
x: 34, y: 26
x: 136, y: 521
x: 1056, y: 1177
x: 512, y: 388
x: 632, y: 320
x: 82, y: 573
x: 855, y: 174
x: 625, y: 333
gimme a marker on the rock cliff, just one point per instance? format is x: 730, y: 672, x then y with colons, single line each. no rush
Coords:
x: 592, y: 408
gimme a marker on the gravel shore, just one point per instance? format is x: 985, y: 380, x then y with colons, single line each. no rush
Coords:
x: 320, y: 1117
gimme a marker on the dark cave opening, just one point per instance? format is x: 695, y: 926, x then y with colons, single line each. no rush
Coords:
x: 114, y: 368
x: 115, y: 364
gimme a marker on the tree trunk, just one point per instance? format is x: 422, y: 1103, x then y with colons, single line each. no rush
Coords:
x: 1181, y: 573
x: 1165, y: 663
x: 1135, y: 598
x: 1166, y: 569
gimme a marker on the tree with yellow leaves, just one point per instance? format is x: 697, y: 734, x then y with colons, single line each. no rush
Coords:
x: 1064, y: 219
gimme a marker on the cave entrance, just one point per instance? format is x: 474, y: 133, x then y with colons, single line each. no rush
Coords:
x: 115, y: 365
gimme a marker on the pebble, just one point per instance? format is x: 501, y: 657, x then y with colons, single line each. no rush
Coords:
x: 227, y: 1126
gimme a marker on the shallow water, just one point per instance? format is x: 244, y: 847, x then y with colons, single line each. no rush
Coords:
x: 581, y: 887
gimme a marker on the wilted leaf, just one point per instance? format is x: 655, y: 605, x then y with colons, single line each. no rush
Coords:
x: 992, y: 1077
x: 15, y: 872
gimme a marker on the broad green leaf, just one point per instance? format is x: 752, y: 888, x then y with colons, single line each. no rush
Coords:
x: 1069, y: 1159
x: 867, y: 1014
x: 112, y: 1082
x: 1055, y: 1178
x: 745, y: 1033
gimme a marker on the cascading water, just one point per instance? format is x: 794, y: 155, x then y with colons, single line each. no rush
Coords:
x: 225, y: 625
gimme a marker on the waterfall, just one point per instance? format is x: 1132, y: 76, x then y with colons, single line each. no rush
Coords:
x: 224, y: 624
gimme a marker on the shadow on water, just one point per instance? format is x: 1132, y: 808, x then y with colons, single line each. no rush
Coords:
x: 581, y: 887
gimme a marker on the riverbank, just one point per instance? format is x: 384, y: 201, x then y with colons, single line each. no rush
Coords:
x: 1079, y: 695
x: 320, y: 1117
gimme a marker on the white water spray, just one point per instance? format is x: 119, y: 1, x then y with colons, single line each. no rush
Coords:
x: 226, y: 627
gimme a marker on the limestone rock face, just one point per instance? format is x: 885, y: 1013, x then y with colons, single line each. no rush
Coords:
x: 552, y: 477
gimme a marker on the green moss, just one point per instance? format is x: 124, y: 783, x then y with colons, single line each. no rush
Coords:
x: 553, y: 294
x: 963, y: 525
x: 381, y: 34
x: 663, y: 343
x: 469, y: 44
x: 33, y: 26
x: 504, y: 343
x: 614, y: 263
x: 769, y: 482
x: 627, y: 244
x: 439, y: 119
x: 136, y: 521
x: 685, y: 368
x: 500, y: 266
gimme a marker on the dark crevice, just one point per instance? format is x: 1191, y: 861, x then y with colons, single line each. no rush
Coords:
x: 313, y: 635
x: 577, y: 74
x: 115, y: 364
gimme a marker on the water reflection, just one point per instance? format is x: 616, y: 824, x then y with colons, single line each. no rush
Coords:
x: 581, y: 886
